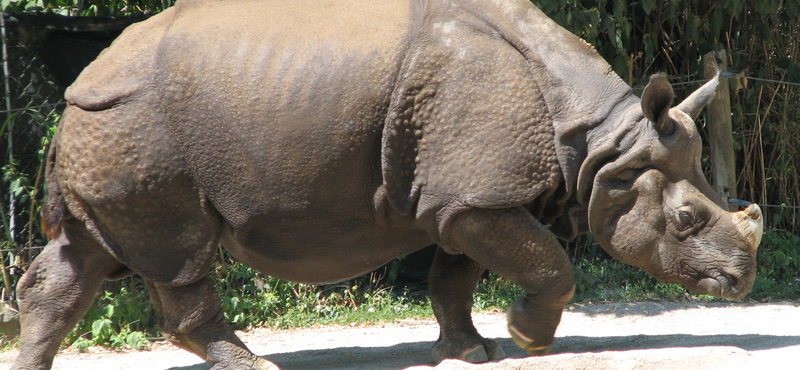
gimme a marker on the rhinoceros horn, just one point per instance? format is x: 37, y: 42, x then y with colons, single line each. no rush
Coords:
x: 693, y: 104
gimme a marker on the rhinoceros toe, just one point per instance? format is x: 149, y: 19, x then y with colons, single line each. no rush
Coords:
x: 485, y: 350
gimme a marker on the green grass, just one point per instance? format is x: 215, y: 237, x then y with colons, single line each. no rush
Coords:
x: 284, y: 304
x: 606, y: 279
x: 602, y: 280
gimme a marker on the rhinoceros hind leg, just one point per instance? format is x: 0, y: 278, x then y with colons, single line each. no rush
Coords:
x: 452, y: 282
x: 190, y: 316
x: 56, y: 292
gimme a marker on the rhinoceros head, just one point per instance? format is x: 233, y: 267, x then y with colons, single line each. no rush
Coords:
x: 652, y: 207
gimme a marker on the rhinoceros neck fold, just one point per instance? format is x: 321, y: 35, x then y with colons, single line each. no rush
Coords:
x: 582, y: 93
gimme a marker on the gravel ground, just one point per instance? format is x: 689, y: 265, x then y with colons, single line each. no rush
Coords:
x: 626, y: 336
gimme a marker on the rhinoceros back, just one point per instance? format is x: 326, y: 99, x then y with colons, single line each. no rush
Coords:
x: 274, y: 104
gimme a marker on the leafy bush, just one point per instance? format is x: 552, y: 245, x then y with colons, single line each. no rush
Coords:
x: 88, y: 8
x: 778, y: 266
x: 123, y: 320
x: 252, y: 299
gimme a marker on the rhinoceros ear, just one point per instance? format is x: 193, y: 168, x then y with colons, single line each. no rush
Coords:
x: 656, y: 103
x: 694, y: 103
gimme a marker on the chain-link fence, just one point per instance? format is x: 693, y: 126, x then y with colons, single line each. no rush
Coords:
x: 31, y: 105
x: 42, y: 55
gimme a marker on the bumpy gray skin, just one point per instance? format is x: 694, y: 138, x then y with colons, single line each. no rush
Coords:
x: 317, y: 140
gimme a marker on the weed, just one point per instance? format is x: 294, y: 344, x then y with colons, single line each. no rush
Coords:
x: 495, y: 292
x: 251, y: 299
x: 778, y: 266
x: 122, y: 320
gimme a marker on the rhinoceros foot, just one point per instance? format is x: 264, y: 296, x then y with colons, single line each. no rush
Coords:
x: 257, y: 364
x: 262, y: 364
x: 532, y: 327
x: 528, y: 344
x: 467, y: 350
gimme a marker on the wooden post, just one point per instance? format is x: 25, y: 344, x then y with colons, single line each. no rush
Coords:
x: 720, y: 132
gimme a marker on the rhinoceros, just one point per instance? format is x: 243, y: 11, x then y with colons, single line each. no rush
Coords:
x: 317, y: 140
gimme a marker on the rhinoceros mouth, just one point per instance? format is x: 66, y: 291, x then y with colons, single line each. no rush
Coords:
x: 717, y: 283
x: 720, y: 286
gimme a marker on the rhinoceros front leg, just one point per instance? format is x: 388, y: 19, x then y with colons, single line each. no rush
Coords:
x: 56, y: 292
x: 190, y: 316
x: 452, y: 282
x: 513, y: 244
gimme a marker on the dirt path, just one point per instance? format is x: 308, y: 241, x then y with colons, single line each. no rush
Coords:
x: 601, y: 336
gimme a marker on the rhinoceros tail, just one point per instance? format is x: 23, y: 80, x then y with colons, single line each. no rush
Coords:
x: 54, y: 209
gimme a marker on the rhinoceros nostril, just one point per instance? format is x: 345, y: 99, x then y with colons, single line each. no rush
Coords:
x: 730, y: 282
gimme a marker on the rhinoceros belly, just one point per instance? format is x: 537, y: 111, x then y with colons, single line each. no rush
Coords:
x: 320, y: 248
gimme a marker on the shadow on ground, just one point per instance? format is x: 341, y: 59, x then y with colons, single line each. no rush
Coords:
x: 404, y: 355
x: 621, y: 309
x: 748, y: 342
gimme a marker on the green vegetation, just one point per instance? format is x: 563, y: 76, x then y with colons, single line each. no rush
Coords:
x: 252, y: 299
x: 87, y: 8
x: 778, y: 267
x: 122, y: 320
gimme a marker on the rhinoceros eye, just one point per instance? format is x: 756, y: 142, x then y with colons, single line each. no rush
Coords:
x: 685, y: 217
